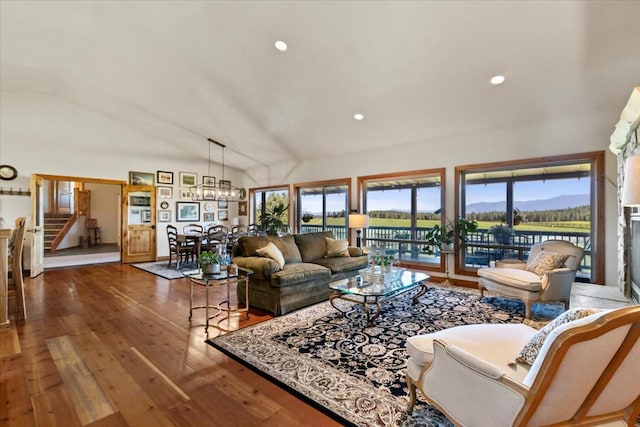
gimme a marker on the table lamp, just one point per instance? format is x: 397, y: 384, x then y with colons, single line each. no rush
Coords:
x: 358, y: 221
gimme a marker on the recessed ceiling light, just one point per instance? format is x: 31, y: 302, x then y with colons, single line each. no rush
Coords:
x: 281, y: 46
x: 358, y: 116
x: 497, y: 80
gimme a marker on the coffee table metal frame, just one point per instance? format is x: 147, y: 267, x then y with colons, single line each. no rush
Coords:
x: 223, y: 306
x: 371, y: 294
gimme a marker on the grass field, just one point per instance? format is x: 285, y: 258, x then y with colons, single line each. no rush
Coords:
x: 559, y: 227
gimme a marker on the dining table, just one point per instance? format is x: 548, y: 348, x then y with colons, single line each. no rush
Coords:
x: 195, y: 238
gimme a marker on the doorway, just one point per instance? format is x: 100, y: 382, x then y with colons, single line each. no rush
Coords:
x: 69, y: 205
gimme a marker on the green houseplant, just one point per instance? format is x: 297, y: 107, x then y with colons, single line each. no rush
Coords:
x: 210, y: 262
x: 445, y: 236
x: 272, y: 219
x: 502, y: 233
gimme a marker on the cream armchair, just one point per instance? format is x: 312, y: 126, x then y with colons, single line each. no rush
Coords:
x: 586, y: 372
x: 545, y: 277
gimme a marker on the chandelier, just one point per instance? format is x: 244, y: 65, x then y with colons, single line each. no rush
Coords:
x: 220, y: 190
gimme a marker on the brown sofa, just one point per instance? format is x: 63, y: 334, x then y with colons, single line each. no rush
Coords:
x: 304, y: 278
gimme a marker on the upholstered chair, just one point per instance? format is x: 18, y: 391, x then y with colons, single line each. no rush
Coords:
x: 546, y: 276
x: 575, y: 371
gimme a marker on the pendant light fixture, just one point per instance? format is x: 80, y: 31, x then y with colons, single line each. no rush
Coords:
x: 221, y: 190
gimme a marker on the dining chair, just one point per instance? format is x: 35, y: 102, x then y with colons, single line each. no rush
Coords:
x: 180, y: 250
x: 193, y: 228
x: 217, y: 238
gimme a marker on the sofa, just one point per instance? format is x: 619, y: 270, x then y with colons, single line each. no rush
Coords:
x: 298, y: 272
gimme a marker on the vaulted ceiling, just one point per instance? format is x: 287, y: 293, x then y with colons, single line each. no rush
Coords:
x: 180, y: 72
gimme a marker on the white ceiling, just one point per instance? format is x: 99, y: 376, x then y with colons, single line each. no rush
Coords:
x: 181, y: 72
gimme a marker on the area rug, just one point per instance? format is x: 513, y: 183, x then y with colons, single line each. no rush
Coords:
x: 356, y: 374
x: 160, y: 269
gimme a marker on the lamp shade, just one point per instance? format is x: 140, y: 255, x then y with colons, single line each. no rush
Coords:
x: 631, y: 188
x: 358, y: 220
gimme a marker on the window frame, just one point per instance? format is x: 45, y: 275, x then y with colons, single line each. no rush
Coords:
x: 253, y: 214
x: 441, y: 172
x: 324, y: 183
x: 596, y: 160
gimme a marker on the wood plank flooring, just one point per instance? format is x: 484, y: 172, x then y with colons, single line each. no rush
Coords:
x: 111, y: 345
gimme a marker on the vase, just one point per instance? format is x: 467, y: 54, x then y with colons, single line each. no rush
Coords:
x: 447, y: 247
x: 211, y: 269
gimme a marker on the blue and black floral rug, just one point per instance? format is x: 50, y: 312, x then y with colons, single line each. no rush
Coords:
x: 356, y: 374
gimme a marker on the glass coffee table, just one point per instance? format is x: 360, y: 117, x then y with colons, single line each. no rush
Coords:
x: 370, y: 289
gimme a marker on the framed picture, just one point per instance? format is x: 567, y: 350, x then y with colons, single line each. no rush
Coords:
x: 164, y: 205
x: 187, y: 179
x: 223, y: 204
x: 225, y: 184
x: 223, y: 215
x: 187, y: 211
x: 164, y: 192
x: 141, y: 178
x: 185, y: 193
x: 208, y: 194
x: 163, y: 177
x: 146, y: 216
x: 164, y: 216
x: 208, y: 217
x: 242, y: 208
x: 209, y: 180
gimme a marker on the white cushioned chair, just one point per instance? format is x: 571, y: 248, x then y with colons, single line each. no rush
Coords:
x: 546, y: 276
x: 587, y: 372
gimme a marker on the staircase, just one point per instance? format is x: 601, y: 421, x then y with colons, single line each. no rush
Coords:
x: 53, y: 224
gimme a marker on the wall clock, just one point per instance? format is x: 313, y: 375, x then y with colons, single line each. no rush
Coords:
x: 8, y: 173
x: 164, y: 205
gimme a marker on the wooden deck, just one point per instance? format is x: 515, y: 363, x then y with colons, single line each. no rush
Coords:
x: 111, y: 345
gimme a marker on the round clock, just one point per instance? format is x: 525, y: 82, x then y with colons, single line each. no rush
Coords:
x: 209, y: 207
x: 243, y: 193
x: 164, y: 205
x: 8, y: 173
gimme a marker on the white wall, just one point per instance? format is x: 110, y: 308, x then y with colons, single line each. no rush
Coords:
x: 105, y: 207
x: 577, y: 135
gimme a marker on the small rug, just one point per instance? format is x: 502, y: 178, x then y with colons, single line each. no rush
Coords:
x: 160, y: 269
x: 356, y: 374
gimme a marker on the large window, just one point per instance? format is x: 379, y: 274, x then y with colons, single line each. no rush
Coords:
x: 322, y: 206
x: 402, y: 208
x: 265, y: 198
x: 519, y: 204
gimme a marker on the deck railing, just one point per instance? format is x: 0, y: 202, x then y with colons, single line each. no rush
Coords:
x: 480, y: 250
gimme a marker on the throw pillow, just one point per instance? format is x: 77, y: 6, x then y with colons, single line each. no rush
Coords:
x: 545, y: 262
x: 336, y: 248
x: 272, y: 251
x: 531, y: 349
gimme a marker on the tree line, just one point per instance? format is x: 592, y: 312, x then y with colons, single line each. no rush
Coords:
x: 580, y: 213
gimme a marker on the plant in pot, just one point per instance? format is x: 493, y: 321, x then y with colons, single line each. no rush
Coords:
x: 444, y: 237
x: 210, y: 262
x: 502, y: 233
x: 272, y: 219
x: 307, y: 217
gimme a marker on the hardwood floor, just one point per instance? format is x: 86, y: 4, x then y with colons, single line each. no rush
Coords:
x: 111, y: 345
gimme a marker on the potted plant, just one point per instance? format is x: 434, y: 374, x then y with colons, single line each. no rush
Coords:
x: 444, y: 237
x: 307, y: 217
x: 272, y: 219
x: 210, y: 262
x: 502, y: 233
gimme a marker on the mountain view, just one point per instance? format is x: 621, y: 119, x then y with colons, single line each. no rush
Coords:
x: 560, y: 202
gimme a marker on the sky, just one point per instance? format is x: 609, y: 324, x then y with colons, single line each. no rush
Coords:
x: 429, y: 198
